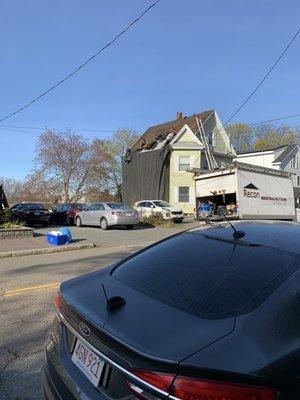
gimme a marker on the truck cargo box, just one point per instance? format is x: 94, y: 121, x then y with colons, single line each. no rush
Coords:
x: 246, y: 191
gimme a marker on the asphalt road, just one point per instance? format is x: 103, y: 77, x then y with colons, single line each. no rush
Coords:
x: 27, y: 289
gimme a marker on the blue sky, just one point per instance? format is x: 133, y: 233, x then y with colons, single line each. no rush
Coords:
x: 184, y: 56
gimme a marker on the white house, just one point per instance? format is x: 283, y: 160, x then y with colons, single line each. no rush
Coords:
x: 285, y: 158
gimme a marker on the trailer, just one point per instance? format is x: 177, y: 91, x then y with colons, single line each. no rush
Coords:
x: 244, y: 191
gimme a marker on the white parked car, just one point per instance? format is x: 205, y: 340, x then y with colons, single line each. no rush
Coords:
x: 147, y: 208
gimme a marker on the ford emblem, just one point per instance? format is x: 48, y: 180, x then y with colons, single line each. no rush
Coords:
x: 84, y: 329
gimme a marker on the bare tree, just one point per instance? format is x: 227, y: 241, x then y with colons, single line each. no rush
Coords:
x: 12, y: 188
x: 64, y: 161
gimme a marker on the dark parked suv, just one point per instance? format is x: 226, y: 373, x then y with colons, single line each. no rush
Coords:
x: 30, y: 213
x: 208, y: 314
x: 65, y: 213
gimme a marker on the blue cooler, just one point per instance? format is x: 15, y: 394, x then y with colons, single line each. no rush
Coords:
x: 67, y: 232
x: 56, y: 240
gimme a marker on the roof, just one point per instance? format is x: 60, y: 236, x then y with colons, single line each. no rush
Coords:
x: 237, y: 165
x: 284, y: 236
x: 260, y: 151
x: 285, y: 153
x: 155, y: 131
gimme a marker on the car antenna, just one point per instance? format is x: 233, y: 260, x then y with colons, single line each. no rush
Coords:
x: 113, y: 302
x: 236, y: 234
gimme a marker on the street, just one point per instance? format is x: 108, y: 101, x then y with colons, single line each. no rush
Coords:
x: 29, y: 285
x: 27, y: 290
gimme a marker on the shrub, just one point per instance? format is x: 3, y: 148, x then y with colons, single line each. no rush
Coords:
x: 154, y: 220
x: 5, y: 216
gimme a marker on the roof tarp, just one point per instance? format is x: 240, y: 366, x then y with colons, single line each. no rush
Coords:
x: 146, y: 176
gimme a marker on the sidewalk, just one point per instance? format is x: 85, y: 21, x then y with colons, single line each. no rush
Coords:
x: 36, y: 245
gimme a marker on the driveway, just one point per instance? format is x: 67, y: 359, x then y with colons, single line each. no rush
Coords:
x: 120, y: 236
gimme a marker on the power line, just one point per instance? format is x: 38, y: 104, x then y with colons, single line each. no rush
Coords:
x: 82, y: 65
x: 274, y: 120
x: 101, y: 130
x: 264, y: 77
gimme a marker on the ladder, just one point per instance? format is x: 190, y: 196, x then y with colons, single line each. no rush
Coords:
x: 211, y: 161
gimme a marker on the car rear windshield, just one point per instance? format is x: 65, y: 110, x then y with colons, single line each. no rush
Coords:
x: 115, y: 205
x: 32, y: 206
x: 205, y: 277
x: 79, y: 206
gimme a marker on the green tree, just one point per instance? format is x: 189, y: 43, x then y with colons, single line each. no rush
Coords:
x: 115, y: 148
x: 270, y: 135
x: 241, y: 136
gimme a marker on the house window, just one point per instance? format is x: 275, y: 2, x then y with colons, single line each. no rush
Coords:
x: 298, y: 180
x: 183, y: 194
x: 294, y: 162
x: 184, y: 163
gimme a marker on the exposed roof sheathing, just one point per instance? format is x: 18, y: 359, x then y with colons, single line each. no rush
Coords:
x: 155, y: 131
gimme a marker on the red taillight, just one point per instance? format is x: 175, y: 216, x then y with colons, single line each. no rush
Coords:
x: 186, y: 388
x: 57, y: 301
x: 159, y: 380
x: 195, y: 389
x: 116, y: 213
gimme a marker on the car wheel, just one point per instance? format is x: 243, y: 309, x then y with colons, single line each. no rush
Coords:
x: 104, y: 224
x: 129, y: 226
x: 78, y: 222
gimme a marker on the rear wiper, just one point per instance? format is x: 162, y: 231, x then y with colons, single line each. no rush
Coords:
x: 230, y: 240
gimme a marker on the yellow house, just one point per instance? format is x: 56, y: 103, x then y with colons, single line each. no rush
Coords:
x: 161, y: 164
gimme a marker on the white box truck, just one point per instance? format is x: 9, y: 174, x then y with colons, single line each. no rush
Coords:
x: 245, y: 191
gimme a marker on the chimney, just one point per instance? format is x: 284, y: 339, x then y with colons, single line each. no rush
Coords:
x: 179, y: 115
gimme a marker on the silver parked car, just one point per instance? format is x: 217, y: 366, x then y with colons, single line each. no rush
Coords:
x: 107, y: 214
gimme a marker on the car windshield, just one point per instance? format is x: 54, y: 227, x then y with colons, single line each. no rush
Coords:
x: 207, y: 278
x: 116, y: 205
x: 161, y: 203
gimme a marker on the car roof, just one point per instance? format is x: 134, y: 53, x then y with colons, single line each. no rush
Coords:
x: 150, y: 200
x: 283, y: 236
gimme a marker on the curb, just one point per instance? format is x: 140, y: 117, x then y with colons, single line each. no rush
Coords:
x: 45, y: 250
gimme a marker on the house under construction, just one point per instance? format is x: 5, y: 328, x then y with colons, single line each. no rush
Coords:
x: 161, y: 163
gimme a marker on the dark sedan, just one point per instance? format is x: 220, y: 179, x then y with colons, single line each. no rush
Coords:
x: 208, y: 314
x: 31, y: 213
x: 65, y: 213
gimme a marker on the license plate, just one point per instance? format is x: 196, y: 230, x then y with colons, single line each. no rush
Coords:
x: 128, y: 214
x: 88, y: 362
x: 36, y: 213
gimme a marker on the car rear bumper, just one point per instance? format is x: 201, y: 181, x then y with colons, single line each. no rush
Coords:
x: 123, y: 220
x: 48, y: 386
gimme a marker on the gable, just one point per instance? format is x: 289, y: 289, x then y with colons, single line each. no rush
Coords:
x: 186, y: 135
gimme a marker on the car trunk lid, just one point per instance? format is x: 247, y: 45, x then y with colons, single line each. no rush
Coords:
x: 144, y: 329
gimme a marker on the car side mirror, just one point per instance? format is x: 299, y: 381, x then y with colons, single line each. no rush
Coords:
x: 152, y: 206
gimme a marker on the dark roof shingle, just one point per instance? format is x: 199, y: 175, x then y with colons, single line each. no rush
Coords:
x: 154, y: 132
